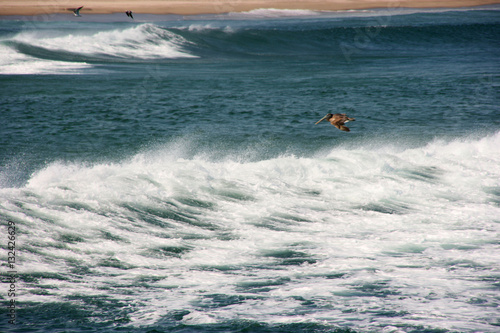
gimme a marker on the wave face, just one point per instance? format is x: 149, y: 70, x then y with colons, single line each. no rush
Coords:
x: 167, y: 174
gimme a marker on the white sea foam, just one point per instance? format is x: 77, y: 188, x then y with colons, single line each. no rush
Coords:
x: 274, y: 13
x: 70, y: 50
x: 392, y: 9
x: 391, y: 237
x: 146, y: 41
x: 14, y: 62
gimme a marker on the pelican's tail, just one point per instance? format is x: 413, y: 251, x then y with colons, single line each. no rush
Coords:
x: 321, y: 120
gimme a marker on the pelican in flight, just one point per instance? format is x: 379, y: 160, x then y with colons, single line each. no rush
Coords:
x: 76, y: 12
x: 338, y: 120
x: 129, y: 14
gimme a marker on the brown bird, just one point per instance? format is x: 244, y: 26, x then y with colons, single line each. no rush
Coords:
x: 338, y: 120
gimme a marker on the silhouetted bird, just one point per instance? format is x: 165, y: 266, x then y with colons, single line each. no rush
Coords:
x: 76, y: 12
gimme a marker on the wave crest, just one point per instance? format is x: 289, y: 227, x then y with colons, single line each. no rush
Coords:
x: 146, y: 41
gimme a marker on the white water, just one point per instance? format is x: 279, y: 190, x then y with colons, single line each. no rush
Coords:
x: 273, y: 13
x: 145, y: 41
x: 14, y: 62
x: 373, y: 237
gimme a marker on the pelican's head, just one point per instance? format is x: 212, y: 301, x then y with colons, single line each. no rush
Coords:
x: 328, y: 116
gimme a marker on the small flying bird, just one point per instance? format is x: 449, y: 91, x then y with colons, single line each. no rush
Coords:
x: 76, y: 12
x: 338, y: 120
x: 129, y: 14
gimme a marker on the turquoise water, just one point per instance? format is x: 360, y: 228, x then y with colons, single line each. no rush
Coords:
x: 165, y: 174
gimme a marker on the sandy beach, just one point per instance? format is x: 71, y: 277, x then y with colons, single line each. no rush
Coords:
x: 192, y: 7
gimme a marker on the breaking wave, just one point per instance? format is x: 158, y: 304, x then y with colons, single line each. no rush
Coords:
x: 80, y: 47
x: 35, y: 52
x: 356, y: 224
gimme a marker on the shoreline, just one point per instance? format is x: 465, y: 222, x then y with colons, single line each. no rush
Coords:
x: 200, y: 7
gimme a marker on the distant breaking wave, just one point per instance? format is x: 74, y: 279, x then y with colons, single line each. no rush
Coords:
x: 74, y: 50
x: 38, y: 50
x: 274, y: 13
x: 146, y: 41
x: 14, y: 62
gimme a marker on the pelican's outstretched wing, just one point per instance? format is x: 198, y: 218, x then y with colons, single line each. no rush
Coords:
x: 341, y: 127
x: 76, y: 12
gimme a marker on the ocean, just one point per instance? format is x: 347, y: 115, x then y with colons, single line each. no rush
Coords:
x: 165, y: 174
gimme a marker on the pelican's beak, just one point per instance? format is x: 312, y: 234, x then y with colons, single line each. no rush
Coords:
x: 321, y: 120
